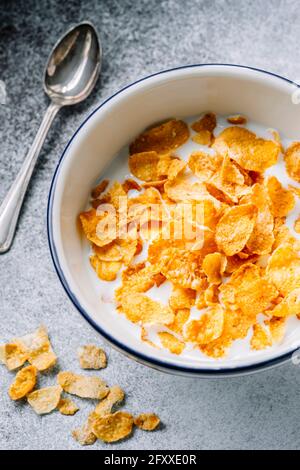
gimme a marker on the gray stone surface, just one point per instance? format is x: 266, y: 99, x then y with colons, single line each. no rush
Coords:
x: 139, y: 37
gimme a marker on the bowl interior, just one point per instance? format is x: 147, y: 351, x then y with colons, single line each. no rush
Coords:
x: 262, y: 97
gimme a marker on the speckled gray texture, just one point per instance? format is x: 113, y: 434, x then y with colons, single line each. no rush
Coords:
x: 139, y: 37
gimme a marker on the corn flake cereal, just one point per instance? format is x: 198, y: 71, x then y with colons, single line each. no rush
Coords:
x: 140, y: 308
x: 67, y: 407
x: 91, y: 357
x: 162, y: 139
x: 282, y: 199
x: 208, y: 122
x: 45, y: 400
x: 214, y: 265
x: 82, y: 386
x: 292, y: 161
x: 24, y: 383
x: 170, y: 342
x: 147, y: 421
x: 113, y: 427
x: 237, y: 119
x: 261, y: 338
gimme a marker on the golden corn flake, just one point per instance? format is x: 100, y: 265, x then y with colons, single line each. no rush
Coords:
x: 170, y: 342
x: 162, y: 139
x: 292, y: 161
x: 282, y: 200
x: 130, y: 185
x: 99, y: 189
x: 182, y: 298
x: 82, y: 386
x: 84, y: 435
x: 211, y: 294
x: 262, y: 237
x: 249, y: 151
x: 181, y: 317
x: 208, y: 122
x: 176, y: 167
x: 277, y: 328
x: 214, y: 265
x: 67, y: 407
x: 45, y: 400
x: 91, y: 357
x: 144, y: 165
x: 90, y: 221
x: 208, y: 328
x: 297, y: 225
x: 203, y: 165
x: 39, y: 350
x: 105, y: 270
x: 24, y: 383
x: 283, y: 269
x: 181, y: 189
x: 140, y: 308
x: 235, y: 227
x: 203, y: 137
x: 246, y: 288
x: 237, y: 119
x: 183, y: 267
x: 113, y: 427
x: 147, y: 421
x: 261, y: 338
x: 14, y: 356
x: 114, y: 397
x: 289, y: 306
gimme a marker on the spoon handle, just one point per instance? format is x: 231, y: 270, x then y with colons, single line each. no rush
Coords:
x: 12, y: 203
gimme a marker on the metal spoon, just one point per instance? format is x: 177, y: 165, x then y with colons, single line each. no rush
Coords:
x: 70, y: 75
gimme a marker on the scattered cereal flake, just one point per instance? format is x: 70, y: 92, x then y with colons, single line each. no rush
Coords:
x: 277, y: 328
x: 283, y: 268
x: 182, y: 298
x: 144, y: 165
x: 114, y: 397
x: 66, y: 406
x: 203, y: 165
x: 91, y: 357
x: 159, y: 279
x: 208, y: 122
x: 39, y: 349
x: 84, y: 435
x: 211, y: 294
x: 140, y: 308
x: 203, y: 137
x: 45, y: 400
x: 14, y: 355
x: 106, y: 270
x: 292, y: 161
x: 162, y: 139
x: 136, y: 278
x: 214, y: 265
x: 99, y: 189
x: 208, y: 328
x: 147, y: 421
x: 169, y: 341
x: 261, y: 338
x: 248, y: 150
x: 113, y: 427
x: 181, y: 317
x: 24, y: 383
x: 237, y: 119
x: 235, y: 227
x: 282, y: 200
x: 289, y: 306
x: 297, y: 225
x: 82, y: 386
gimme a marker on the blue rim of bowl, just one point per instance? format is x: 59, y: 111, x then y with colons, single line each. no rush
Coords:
x: 139, y: 357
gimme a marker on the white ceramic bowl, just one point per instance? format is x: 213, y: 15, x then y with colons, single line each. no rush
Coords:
x: 225, y: 89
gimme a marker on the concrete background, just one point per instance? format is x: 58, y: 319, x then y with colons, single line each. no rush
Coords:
x: 139, y: 37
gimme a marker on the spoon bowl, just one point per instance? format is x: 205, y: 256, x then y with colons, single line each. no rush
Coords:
x: 73, y: 66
